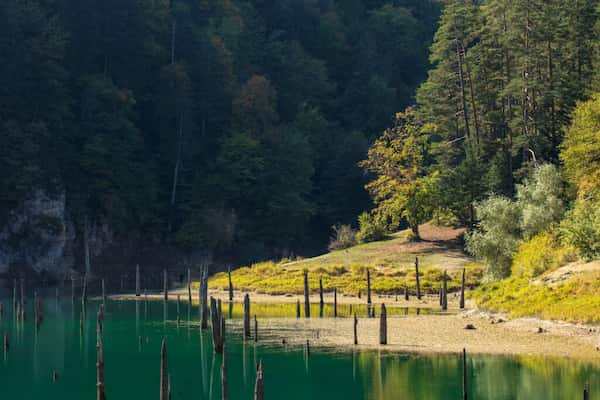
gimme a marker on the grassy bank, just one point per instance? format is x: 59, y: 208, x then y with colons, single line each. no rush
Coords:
x: 391, y: 263
x: 569, y: 293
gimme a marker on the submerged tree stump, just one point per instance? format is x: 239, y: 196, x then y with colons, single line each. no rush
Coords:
x: 218, y: 326
x: 255, y: 329
x: 138, y: 289
x: 259, y: 386
x: 383, y: 325
x: 163, y: 371
x: 230, y: 283
x: 306, y: 296
x: 100, y: 394
x: 462, y: 291
x: 445, y: 291
x: 418, y: 279
x: 165, y: 284
x: 247, y: 315
x: 369, y: 287
x: 321, y: 302
x: 335, y: 303
x: 189, y: 285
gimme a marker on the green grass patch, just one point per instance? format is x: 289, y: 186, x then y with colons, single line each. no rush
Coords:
x: 574, y: 300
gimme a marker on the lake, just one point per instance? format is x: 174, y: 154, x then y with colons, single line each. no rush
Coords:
x: 133, y: 331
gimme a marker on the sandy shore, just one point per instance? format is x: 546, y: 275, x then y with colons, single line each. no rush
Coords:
x: 446, y: 333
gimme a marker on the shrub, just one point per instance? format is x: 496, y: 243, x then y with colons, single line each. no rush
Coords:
x: 370, y: 229
x: 343, y: 237
x: 497, y: 237
x: 541, y: 253
x: 581, y: 229
x: 540, y: 200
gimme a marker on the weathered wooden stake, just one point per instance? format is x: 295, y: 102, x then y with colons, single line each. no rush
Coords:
x: 100, y: 394
x: 165, y: 285
x: 230, y: 283
x: 383, y: 325
x: 368, y: 286
x: 445, y: 291
x: 462, y: 291
x: 224, y: 374
x: 306, y: 296
x: 321, y: 302
x: 355, y: 330
x: 163, y: 371
x: 247, y: 315
x: 464, y: 365
x: 334, y: 302
x: 297, y: 308
x: 138, y: 289
x: 418, y: 279
x: 259, y: 387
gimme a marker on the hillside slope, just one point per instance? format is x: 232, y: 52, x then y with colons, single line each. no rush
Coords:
x: 391, y: 263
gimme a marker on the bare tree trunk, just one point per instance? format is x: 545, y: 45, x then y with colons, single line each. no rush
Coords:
x: 306, y: 296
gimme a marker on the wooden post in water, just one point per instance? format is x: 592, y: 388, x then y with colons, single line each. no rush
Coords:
x: 298, y: 308
x: 369, y: 287
x: 163, y: 371
x: 138, y: 289
x: 355, y: 330
x: 445, y: 291
x: 230, y: 283
x: 586, y: 391
x: 165, y: 284
x: 462, y: 291
x: 224, y: 374
x: 189, y: 285
x: 321, y: 302
x: 383, y: 325
x: 418, y: 279
x: 103, y: 290
x: 335, y: 302
x: 247, y: 315
x: 464, y: 365
x: 100, y: 394
x: 306, y: 296
x: 255, y: 329
x: 259, y: 386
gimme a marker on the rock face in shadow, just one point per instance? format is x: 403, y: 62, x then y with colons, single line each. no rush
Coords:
x: 38, y: 237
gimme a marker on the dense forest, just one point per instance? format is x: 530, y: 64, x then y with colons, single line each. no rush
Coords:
x: 504, y: 137
x: 248, y: 129
x: 230, y: 126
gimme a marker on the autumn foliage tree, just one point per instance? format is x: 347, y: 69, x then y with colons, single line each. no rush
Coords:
x: 399, y: 160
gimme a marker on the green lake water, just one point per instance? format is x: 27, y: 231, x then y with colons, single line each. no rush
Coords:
x: 132, y: 369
